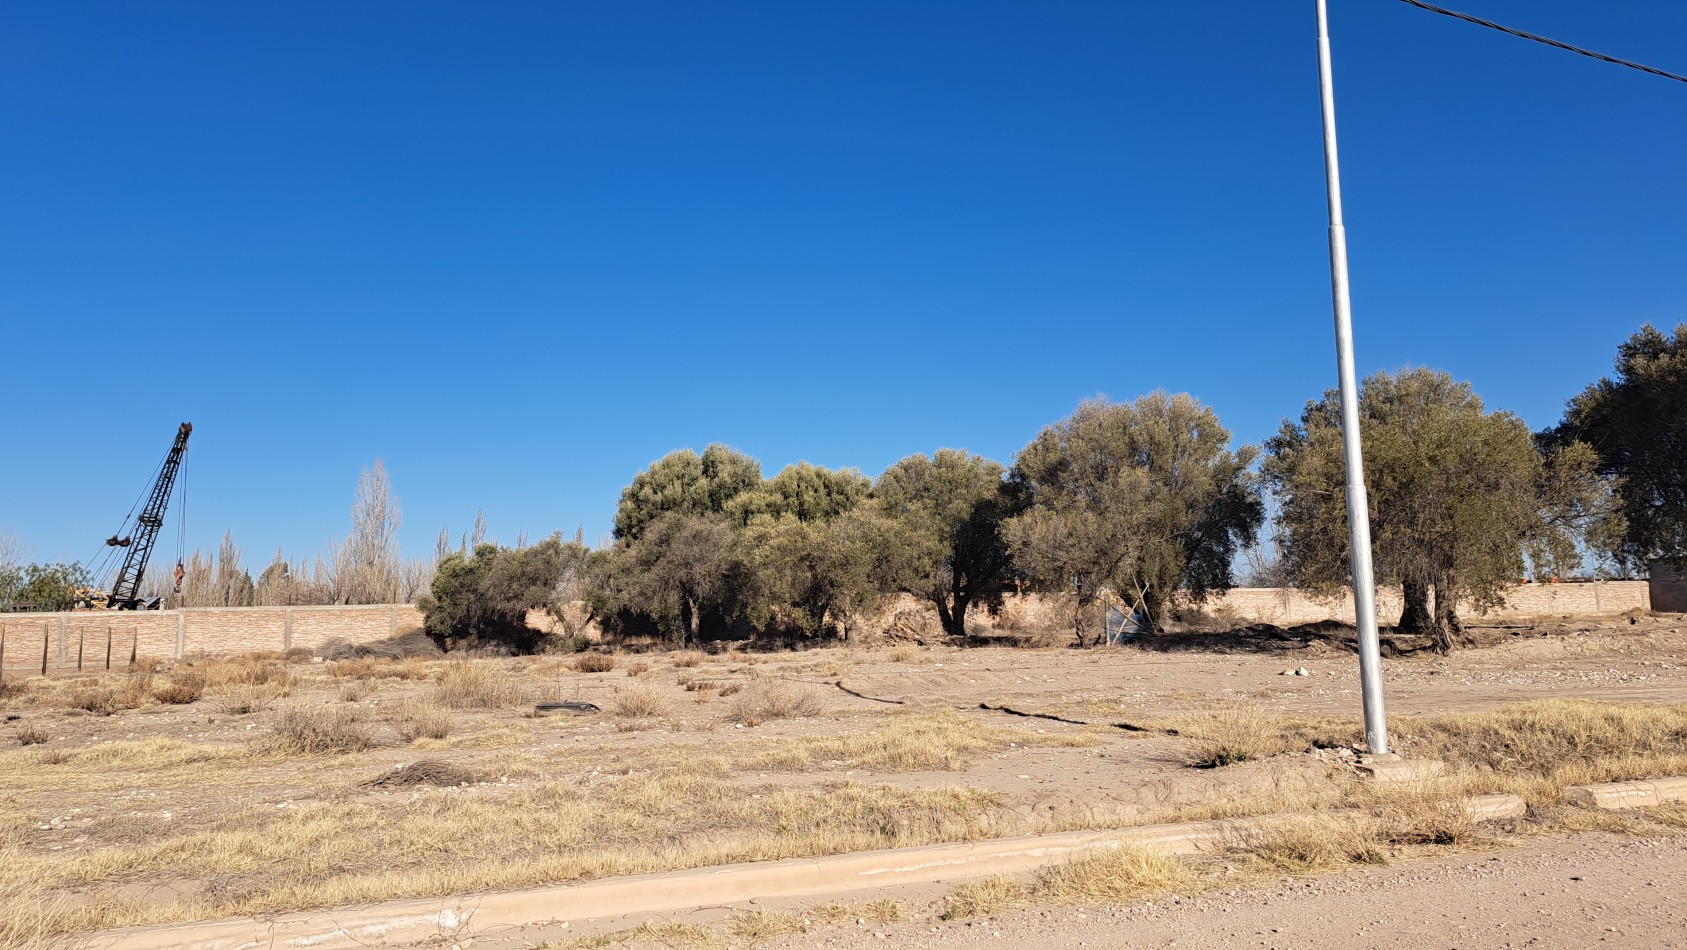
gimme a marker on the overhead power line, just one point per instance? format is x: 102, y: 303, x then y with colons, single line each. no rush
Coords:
x: 1542, y: 39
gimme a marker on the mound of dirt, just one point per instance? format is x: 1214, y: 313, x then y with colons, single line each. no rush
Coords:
x: 407, y: 644
x: 425, y: 772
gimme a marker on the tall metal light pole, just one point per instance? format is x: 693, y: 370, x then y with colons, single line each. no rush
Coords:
x: 1358, y: 506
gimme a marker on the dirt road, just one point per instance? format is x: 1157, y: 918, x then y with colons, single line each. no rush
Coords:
x: 1587, y: 891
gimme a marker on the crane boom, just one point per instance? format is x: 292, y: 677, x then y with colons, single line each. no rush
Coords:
x: 126, y: 588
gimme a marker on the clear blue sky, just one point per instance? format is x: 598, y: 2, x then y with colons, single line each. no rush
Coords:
x: 520, y: 250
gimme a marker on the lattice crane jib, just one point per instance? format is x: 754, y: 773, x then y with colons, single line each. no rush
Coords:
x: 126, y: 588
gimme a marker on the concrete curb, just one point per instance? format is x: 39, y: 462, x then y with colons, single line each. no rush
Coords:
x: 1613, y: 796
x: 671, y: 891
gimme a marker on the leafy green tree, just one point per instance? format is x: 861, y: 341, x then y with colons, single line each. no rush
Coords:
x: 50, y: 586
x: 1455, y: 495
x: 820, y: 571
x: 682, y: 568
x: 808, y: 493
x: 1144, y: 499
x: 488, y: 595
x: 947, y: 545
x: 1636, y: 423
x: 685, y: 483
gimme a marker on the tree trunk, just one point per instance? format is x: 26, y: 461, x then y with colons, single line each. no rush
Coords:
x: 1415, y: 617
x: 1447, y: 624
x: 953, y: 615
x: 693, y: 623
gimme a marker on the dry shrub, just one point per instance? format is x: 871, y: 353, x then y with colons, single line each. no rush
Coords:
x: 766, y: 700
x: 182, y: 688
x: 594, y: 663
x: 470, y: 685
x: 904, y: 653
x: 379, y: 668
x: 354, y: 691
x: 11, y: 689
x: 421, y: 719
x: 147, y: 664
x: 638, y: 701
x: 100, y: 700
x: 242, y: 699
x: 686, y: 659
x: 638, y: 669
x: 30, y: 734
x: 319, y: 730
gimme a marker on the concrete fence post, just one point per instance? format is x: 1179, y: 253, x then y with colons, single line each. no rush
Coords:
x: 287, y: 628
x: 64, y: 640
x: 392, y: 621
x: 181, y: 632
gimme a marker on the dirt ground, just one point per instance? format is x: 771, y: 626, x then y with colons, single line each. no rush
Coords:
x: 138, y: 816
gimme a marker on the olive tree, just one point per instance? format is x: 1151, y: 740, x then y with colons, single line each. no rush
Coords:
x: 1454, y: 492
x: 946, y: 546
x: 488, y: 595
x: 1144, y: 499
x: 684, y: 483
x: 1636, y: 424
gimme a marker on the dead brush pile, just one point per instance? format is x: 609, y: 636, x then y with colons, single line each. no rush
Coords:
x: 424, y: 772
x: 411, y: 643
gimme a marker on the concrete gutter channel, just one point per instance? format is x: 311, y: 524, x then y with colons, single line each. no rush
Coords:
x: 638, y: 896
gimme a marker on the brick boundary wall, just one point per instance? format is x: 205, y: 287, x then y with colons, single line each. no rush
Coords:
x: 178, y: 633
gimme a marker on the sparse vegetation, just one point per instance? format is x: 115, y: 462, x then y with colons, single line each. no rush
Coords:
x: 764, y: 700
x: 465, y: 685
x: 180, y: 688
x: 422, y: 719
x: 594, y: 663
x: 318, y: 730
x: 638, y: 701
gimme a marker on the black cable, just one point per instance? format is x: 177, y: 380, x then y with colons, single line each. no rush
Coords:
x: 1541, y: 39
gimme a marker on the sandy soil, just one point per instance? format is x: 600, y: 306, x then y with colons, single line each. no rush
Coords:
x: 1587, y: 891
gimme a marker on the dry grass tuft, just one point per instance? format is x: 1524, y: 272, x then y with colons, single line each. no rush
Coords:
x: 766, y: 700
x: 638, y: 701
x: 422, y: 719
x: 686, y: 659
x: 756, y: 926
x: 1247, y: 733
x: 638, y: 669
x: 370, y: 667
x: 1115, y: 874
x: 354, y: 691
x: 243, y: 699
x: 985, y: 896
x: 30, y: 734
x: 469, y: 685
x: 594, y: 663
x: 1311, y: 843
x: 182, y: 688
x: 319, y: 730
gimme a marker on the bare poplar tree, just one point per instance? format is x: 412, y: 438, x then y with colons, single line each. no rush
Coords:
x: 365, y: 569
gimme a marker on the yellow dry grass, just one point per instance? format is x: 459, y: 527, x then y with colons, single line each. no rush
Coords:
x: 917, y: 739
x: 468, y: 685
x: 765, y: 700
